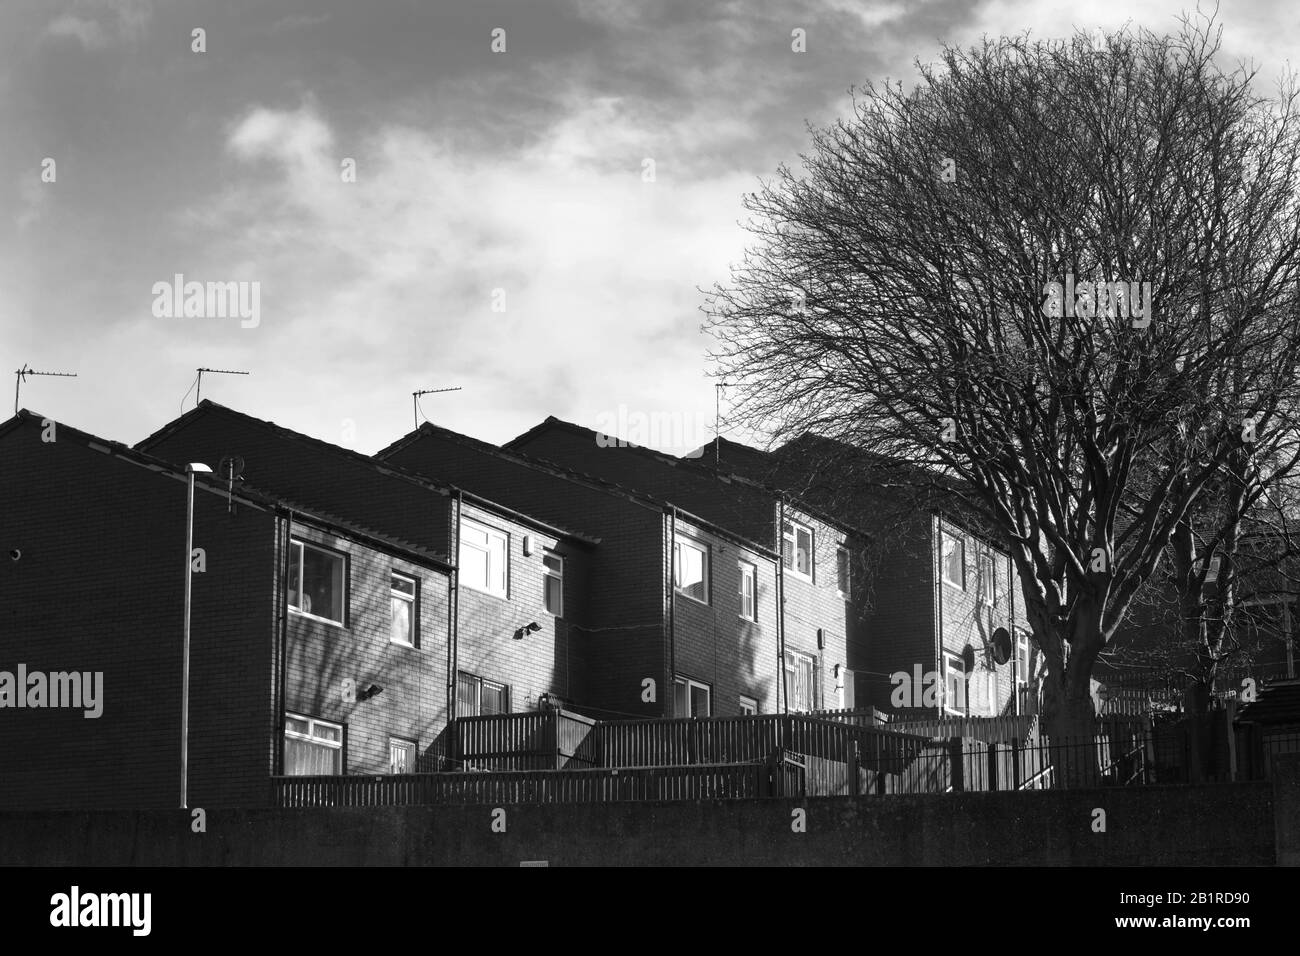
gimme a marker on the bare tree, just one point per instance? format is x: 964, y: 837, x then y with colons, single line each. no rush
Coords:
x: 1035, y: 275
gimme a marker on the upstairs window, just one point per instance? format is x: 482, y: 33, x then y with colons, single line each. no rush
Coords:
x: 483, y: 558
x: 797, y: 549
x: 316, y: 581
x: 553, y: 595
x: 988, y: 580
x: 402, y: 624
x: 748, y: 591
x: 748, y: 706
x: 691, y: 570
x: 843, y: 577
x: 953, y: 560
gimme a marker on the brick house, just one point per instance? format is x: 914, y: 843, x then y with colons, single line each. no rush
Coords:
x: 935, y: 588
x: 518, y: 599
x: 685, y: 588
x: 317, y: 644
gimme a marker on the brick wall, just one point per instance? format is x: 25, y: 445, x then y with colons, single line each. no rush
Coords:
x: 714, y: 644
x: 622, y: 626
x: 968, y: 621
x: 322, y: 655
x: 549, y: 661
x: 100, y: 587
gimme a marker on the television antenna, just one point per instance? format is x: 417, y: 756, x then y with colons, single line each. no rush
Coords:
x: 198, y: 393
x: 415, y: 400
x: 21, y: 376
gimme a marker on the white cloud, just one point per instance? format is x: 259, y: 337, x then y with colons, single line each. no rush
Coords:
x: 96, y: 24
x: 90, y: 34
x: 393, y: 276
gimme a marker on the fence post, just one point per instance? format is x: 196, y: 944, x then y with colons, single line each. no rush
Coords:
x: 993, y: 766
x: 956, y: 764
x: 853, y: 768
x: 1015, y: 763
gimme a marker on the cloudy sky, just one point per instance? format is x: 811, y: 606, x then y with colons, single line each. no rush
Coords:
x: 512, y: 179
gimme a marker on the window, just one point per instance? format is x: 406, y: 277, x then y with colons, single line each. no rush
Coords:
x: 476, y: 697
x: 988, y: 580
x: 1022, y: 657
x: 691, y: 698
x: 691, y: 570
x: 748, y: 591
x: 748, y: 706
x: 312, y: 747
x: 316, y: 581
x: 797, y: 549
x: 483, y: 558
x: 954, y: 689
x: 1212, y: 574
x: 553, y: 596
x: 842, y: 576
x: 954, y: 560
x: 401, y: 755
x: 402, y: 626
x: 801, y: 682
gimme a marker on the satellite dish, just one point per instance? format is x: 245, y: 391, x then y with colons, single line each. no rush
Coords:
x: 1002, y: 645
x: 968, y: 658
x: 231, y: 467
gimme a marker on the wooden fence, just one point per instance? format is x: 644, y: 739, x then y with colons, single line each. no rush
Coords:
x: 771, y: 778
x: 539, y: 740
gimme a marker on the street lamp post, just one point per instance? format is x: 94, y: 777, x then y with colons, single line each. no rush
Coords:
x: 190, y: 471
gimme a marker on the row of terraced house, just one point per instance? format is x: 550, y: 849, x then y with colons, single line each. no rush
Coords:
x: 348, y: 610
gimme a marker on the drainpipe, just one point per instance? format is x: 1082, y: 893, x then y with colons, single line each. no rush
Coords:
x: 672, y: 607
x: 1015, y: 636
x: 780, y: 606
x: 281, y: 678
x: 453, y: 612
x: 936, y: 560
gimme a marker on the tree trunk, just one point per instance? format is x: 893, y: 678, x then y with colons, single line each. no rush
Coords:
x: 1071, y: 718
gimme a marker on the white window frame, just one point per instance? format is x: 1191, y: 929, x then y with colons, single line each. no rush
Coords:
x: 297, y: 587
x: 310, y: 737
x: 549, y: 574
x: 987, y: 584
x: 960, y: 541
x: 492, y: 535
x: 705, y: 569
x: 404, y: 743
x: 792, y: 537
x: 691, y: 684
x: 954, y: 666
x: 790, y: 670
x: 413, y: 600
x: 843, y: 573
x: 748, y: 573
x: 748, y: 706
x: 1022, y: 673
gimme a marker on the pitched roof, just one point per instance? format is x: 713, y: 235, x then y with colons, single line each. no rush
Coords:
x: 373, y: 465
x: 602, y: 483
x: 243, y: 492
